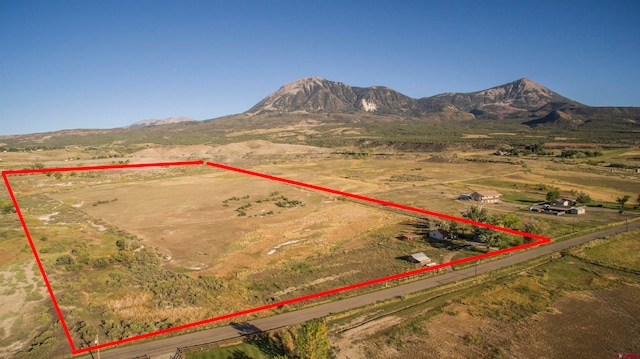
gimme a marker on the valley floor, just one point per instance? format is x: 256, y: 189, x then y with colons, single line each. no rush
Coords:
x: 131, y: 252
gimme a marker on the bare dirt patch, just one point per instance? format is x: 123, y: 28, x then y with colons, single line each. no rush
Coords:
x: 606, y: 320
x: 352, y: 342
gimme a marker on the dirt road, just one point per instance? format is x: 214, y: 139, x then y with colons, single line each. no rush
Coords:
x: 166, y: 347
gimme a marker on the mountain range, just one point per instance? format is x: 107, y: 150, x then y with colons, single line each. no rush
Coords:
x: 319, y: 112
x: 523, y: 99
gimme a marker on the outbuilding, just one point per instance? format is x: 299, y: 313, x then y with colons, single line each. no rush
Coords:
x: 420, y: 258
x: 440, y: 234
x: 578, y: 210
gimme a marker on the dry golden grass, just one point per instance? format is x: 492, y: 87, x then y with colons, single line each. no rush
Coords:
x: 180, y: 213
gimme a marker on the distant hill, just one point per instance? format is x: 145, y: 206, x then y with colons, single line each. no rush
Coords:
x: 576, y: 117
x: 158, y: 122
x: 521, y: 97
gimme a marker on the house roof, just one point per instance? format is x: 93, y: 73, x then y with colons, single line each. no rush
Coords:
x: 561, y: 202
x: 421, y: 257
x: 488, y: 193
x: 558, y: 208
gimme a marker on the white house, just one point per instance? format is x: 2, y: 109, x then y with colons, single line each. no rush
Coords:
x: 486, y: 196
x: 439, y: 234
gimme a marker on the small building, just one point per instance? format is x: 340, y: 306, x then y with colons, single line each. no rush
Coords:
x: 578, y: 210
x: 562, y: 203
x: 557, y: 210
x: 465, y: 197
x: 486, y: 196
x: 410, y: 237
x: 440, y: 234
x: 420, y: 258
x: 560, y: 207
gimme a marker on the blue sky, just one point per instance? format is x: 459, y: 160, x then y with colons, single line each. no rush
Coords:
x: 102, y: 64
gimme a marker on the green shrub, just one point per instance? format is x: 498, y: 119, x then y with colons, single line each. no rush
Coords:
x: 65, y: 259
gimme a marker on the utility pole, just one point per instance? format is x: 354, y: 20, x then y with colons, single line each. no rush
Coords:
x: 98, y: 342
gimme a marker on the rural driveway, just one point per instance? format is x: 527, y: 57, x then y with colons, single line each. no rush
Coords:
x: 164, y: 348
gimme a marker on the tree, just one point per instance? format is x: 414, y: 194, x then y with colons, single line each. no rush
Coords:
x: 489, y: 237
x: 312, y: 341
x: 453, y: 227
x: 534, y: 226
x: 553, y: 194
x: 509, y: 220
x: 444, y: 225
x: 501, y: 239
x: 583, y: 198
x: 623, y: 200
x: 477, y: 214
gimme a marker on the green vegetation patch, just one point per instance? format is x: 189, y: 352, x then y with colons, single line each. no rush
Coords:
x: 408, y: 178
x: 621, y: 250
x: 243, y: 350
x: 510, y: 300
x: 525, y: 198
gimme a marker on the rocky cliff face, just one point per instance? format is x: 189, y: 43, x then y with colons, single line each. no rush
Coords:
x: 317, y: 95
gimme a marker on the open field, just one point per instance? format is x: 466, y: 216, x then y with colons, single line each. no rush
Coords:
x: 534, y: 314
x: 132, y: 251
x: 540, y: 310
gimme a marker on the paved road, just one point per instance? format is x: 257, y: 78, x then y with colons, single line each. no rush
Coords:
x: 164, y: 348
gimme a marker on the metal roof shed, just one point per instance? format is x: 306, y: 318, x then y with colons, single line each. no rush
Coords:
x: 420, y: 258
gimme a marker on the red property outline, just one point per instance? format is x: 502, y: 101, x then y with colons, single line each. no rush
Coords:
x: 74, y: 350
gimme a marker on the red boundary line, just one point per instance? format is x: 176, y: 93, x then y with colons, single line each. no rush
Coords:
x: 74, y: 350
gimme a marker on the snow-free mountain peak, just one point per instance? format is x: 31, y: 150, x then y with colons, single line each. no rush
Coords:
x: 317, y: 95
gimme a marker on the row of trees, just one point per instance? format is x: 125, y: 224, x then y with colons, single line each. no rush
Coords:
x: 581, y: 197
x: 309, y: 341
x: 622, y: 201
x: 493, y: 238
